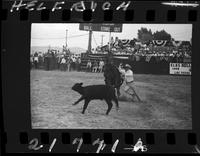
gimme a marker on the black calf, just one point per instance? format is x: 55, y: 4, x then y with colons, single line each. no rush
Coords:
x: 101, y: 92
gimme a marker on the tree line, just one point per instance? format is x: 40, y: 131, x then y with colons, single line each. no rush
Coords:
x: 145, y: 35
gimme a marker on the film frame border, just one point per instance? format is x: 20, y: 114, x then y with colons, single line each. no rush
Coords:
x: 127, y: 12
x: 171, y: 15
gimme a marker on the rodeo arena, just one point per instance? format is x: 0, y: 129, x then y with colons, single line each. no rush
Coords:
x: 122, y: 84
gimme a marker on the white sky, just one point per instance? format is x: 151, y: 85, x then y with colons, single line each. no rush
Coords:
x: 45, y: 34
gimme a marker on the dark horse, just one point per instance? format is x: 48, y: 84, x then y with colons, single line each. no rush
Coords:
x: 113, y: 76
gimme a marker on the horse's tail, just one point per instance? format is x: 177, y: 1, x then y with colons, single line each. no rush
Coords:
x: 120, y: 78
x: 113, y: 75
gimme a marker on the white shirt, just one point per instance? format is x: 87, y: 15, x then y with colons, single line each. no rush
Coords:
x: 129, y: 76
x: 89, y: 64
x: 36, y: 58
x: 63, y: 61
x: 73, y: 59
x: 101, y: 63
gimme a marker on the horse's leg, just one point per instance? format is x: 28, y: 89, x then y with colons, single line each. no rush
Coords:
x: 118, y: 92
x: 117, y: 87
x: 116, y: 102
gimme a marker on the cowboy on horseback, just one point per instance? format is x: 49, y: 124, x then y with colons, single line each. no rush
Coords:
x: 112, y: 75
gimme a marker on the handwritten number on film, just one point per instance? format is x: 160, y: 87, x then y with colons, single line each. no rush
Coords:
x: 101, y: 144
x: 79, y: 141
x: 33, y: 145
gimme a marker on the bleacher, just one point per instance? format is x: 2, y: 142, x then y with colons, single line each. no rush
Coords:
x: 97, y: 57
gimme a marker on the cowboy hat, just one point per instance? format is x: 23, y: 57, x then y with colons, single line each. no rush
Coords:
x: 127, y: 66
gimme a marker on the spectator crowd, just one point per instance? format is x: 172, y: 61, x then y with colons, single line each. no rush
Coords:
x: 176, y: 50
x: 52, y: 60
x: 96, y: 66
x: 141, y: 55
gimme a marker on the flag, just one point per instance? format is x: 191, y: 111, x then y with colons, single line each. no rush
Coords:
x: 125, y: 42
x: 159, y: 42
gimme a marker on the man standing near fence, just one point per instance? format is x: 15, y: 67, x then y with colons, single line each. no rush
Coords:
x: 63, y: 63
x: 69, y: 64
x: 95, y: 66
x: 79, y: 63
x: 89, y: 66
x: 129, y: 81
x: 36, y: 60
x: 101, y: 64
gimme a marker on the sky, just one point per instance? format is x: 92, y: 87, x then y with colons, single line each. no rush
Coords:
x: 52, y: 34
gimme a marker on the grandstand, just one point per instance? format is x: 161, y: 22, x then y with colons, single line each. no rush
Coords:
x: 150, y: 52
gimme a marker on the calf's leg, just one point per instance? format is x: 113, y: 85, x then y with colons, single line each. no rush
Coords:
x: 109, y: 106
x: 85, y: 105
x: 80, y: 99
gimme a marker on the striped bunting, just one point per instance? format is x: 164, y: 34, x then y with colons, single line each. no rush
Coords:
x: 159, y: 42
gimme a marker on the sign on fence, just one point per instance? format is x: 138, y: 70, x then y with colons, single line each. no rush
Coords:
x: 101, y: 27
x: 180, y: 69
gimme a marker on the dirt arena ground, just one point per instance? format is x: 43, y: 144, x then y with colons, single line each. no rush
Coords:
x: 166, y: 103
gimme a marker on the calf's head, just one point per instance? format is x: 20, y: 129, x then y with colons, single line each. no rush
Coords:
x: 77, y: 87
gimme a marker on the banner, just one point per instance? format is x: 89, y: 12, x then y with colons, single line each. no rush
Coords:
x: 159, y: 42
x: 124, y: 43
x: 180, y: 69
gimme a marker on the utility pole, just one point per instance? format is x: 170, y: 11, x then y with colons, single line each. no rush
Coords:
x: 66, y: 49
x: 110, y: 42
x: 90, y: 41
x: 102, y: 40
x: 110, y: 55
x: 66, y: 38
